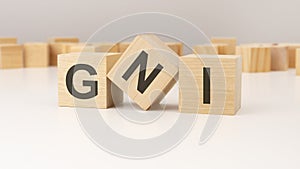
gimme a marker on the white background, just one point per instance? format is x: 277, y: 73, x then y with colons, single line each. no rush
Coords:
x: 248, y: 20
x: 35, y: 133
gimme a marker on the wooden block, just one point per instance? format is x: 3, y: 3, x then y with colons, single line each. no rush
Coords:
x: 210, y: 49
x: 123, y: 46
x: 56, y: 49
x: 106, y: 47
x: 279, y: 58
x: 8, y: 40
x: 89, y: 87
x: 210, y: 84
x: 80, y: 47
x: 231, y: 44
x: 291, y: 52
x: 146, y: 70
x: 36, y: 55
x: 11, y: 56
x: 255, y: 58
x: 298, y: 62
x: 176, y: 47
x: 64, y: 39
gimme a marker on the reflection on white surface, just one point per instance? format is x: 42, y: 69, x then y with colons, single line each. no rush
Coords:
x: 36, y: 133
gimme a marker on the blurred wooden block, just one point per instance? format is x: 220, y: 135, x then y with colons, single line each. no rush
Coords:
x: 123, y: 46
x: 210, y: 84
x: 292, y: 53
x: 8, y: 40
x: 36, y: 55
x: 77, y: 48
x: 205, y: 49
x: 106, y: 47
x: 279, y: 58
x: 298, y: 62
x: 82, y: 80
x: 255, y: 58
x: 56, y: 49
x: 11, y: 56
x: 176, y: 47
x: 211, y: 49
x: 64, y: 39
x: 146, y: 70
x: 231, y: 44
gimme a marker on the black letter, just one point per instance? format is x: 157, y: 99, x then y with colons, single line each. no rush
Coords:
x: 142, y: 61
x: 206, y: 85
x: 93, y: 84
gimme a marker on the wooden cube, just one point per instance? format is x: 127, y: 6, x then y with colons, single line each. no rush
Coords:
x: 279, y: 58
x: 123, y: 46
x: 56, y: 49
x: 176, y: 47
x: 210, y: 84
x: 231, y: 44
x: 11, y: 56
x: 146, y: 70
x: 106, y: 47
x: 80, y: 47
x: 255, y: 58
x: 36, y: 55
x: 64, y: 39
x: 82, y: 80
x: 8, y: 40
x: 298, y: 62
x: 292, y: 53
x: 210, y: 49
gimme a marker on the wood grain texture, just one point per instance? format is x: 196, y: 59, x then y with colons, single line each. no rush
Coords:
x: 11, y: 56
x: 225, y: 84
x: 255, y: 58
x: 230, y: 49
x: 36, y: 54
x: 102, y: 63
x: 158, y: 53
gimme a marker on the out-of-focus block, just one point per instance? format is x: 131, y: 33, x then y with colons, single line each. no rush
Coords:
x: 80, y: 47
x: 82, y: 80
x: 106, y: 47
x: 205, y: 49
x: 146, y: 71
x: 210, y: 84
x: 231, y: 44
x: 123, y: 46
x: 279, y: 58
x: 11, y: 56
x: 255, y: 58
x: 8, y: 40
x: 291, y: 52
x: 176, y: 47
x: 36, y: 55
x: 298, y: 62
x: 210, y: 49
x: 64, y: 40
x: 56, y: 49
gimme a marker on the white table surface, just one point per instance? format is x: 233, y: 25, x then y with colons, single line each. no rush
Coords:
x: 35, y: 133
